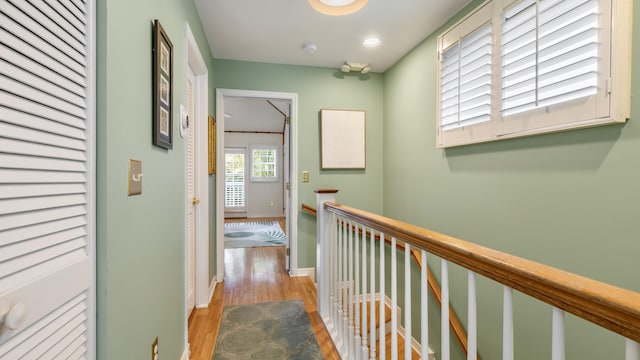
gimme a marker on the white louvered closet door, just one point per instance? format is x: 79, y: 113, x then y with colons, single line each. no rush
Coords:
x: 47, y: 179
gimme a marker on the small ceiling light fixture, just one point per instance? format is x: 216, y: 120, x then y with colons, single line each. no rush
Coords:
x: 337, y: 7
x: 371, y: 42
x: 309, y: 47
x: 350, y: 66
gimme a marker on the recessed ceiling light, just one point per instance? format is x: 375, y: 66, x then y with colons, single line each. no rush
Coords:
x: 371, y: 42
x: 337, y: 7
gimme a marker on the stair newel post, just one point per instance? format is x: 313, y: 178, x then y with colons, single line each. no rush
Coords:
x: 323, y: 232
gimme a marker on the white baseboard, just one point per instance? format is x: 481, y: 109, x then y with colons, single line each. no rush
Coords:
x: 212, y: 288
x: 310, y: 272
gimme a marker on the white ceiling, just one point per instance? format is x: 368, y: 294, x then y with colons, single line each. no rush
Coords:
x: 255, y: 115
x: 274, y: 31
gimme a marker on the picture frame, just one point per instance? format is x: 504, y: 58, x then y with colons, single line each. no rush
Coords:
x: 343, y: 139
x: 212, y: 145
x: 162, y: 88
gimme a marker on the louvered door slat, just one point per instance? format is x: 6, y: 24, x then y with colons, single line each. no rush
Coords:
x: 42, y: 24
x: 20, y: 234
x: 74, y: 11
x: 75, y: 350
x: 40, y: 177
x: 25, y: 62
x: 37, y: 136
x: 41, y: 150
x: 28, y: 246
x: 29, y: 121
x: 22, y: 32
x: 48, y: 88
x: 42, y: 256
x: 60, y: 9
x: 39, y: 203
x: 68, y: 344
x: 37, y: 95
x: 26, y: 162
x: 55, y: 23
x: 33, y: 108
x: 60, y: 21
x: 46, y: 348
x: 39, y: 56
x: 32, y: 190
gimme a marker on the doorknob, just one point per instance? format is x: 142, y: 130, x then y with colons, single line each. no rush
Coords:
x: 195, y: 201
x: 14, y: 317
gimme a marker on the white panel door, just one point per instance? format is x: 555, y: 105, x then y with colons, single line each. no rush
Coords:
x: 192, y: 201
x: 47, y: 179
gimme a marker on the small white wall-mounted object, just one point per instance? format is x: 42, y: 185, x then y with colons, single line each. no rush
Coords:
x: 184, y: 120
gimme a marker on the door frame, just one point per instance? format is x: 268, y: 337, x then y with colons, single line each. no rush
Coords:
x: 292, y: 231
x: 196, y: 62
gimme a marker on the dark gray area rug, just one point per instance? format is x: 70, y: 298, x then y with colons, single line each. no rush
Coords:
x: 271, y: 330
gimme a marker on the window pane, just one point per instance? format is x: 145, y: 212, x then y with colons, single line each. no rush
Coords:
x: 234, y: 181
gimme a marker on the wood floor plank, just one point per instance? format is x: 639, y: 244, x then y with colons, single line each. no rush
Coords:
x: 254, y: 275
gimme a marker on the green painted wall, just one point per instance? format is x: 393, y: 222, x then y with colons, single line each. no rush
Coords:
x: 319, y: 88
x: 140, y: 239
x: 568, y: 200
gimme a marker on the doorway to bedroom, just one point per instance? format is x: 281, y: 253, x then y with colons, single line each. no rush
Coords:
x: 257, y: 191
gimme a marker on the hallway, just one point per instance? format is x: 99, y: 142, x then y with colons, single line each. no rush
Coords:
x: 254, y: 275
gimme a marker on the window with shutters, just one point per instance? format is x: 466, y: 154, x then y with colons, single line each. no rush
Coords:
x: 264, y: 163
x: 234, y: 179
x: 533, y: 66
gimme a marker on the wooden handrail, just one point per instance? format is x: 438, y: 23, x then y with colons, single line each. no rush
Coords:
x: 606, y: 305
x: 432, y: 283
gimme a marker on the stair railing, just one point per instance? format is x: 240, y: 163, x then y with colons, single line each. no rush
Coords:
x: 346, y: 278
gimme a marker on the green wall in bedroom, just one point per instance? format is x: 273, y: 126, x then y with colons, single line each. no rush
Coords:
x: 569, y: 200
x: 320, y: 88
x: 140, y: 239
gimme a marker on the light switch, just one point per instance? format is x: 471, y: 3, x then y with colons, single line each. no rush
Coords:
x: 305, y: 176
x: 135, y: 177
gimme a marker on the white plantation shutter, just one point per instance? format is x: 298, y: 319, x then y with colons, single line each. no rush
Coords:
x: 553, y: 62
x: 553, y: 65
x: 47, y: 177
x: 466, y: 80
x: 234, y: 179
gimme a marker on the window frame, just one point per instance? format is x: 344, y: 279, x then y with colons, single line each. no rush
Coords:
x: 614, y: 86
x: 277, y: 163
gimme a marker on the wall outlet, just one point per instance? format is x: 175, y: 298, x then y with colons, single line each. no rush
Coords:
x: 154, y: 349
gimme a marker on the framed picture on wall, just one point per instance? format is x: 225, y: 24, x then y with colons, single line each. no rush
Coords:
x: 162, y: 88
x: 212, y: 145
x: 342, y: 134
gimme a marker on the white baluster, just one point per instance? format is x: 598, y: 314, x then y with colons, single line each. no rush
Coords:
x: 356, y: 296
x: 394, y: 300
x: 332, y: 271
x: 633, y: 350
x: 557, y: 342
x: 383, y: 324
x: 345, y: 308
x: 372, y: 298
x: 424, y: 308
x: 507, y: 324
x: 351, y: 300
x: 365, y: 353
x: 472, y: 339
x: 339, y: 280
x: 407, y: 301
x: 444, y: 325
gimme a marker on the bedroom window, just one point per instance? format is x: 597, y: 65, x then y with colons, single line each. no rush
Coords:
x: 234, y: 179
x: 264, y: 163
x: 531, y: 67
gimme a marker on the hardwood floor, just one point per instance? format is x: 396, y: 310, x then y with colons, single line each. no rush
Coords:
x: 254, y: 275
